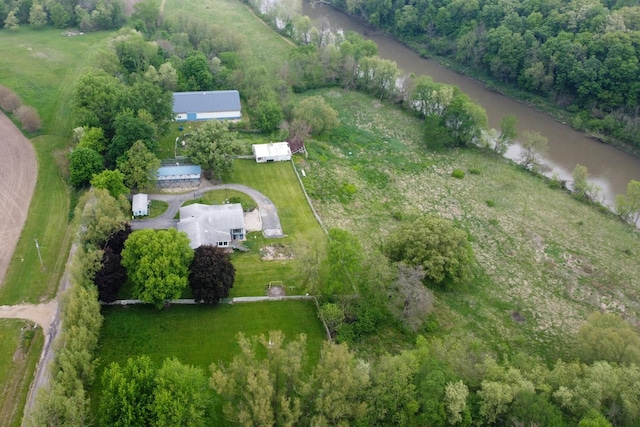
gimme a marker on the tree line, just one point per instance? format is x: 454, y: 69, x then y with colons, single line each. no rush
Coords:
x: 92, y: 15
x: 271, y: 382
x: 580, y: 54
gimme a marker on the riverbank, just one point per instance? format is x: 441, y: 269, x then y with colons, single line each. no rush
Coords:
x: 610, y: 168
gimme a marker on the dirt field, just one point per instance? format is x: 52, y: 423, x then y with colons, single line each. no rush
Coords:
x: 18, y: 173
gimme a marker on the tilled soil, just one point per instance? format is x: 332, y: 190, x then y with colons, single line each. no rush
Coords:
x: 18, y: 173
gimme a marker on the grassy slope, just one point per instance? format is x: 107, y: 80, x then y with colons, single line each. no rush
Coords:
x: 17, y: 363
x: 543, y: 254
x: 43, y: 68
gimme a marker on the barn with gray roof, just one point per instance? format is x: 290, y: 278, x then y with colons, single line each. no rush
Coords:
x: 207, y: 105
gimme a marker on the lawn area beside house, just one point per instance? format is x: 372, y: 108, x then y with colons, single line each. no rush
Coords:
x: 304, y: 239
x: 19, y: 352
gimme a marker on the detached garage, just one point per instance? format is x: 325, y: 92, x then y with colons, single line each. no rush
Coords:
x: 140, y: 205
x: 271, y: 152
x: 207, y: 105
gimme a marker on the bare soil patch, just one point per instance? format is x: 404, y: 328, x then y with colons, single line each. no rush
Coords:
x: 18, y: 174
x: 276, y: 291
x: 275, y: 253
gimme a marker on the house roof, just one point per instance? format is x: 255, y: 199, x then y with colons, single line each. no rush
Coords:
x: 209, y: 224
x: 179, y: 170
x: 206, y: 101
x: 271, y: 149
x: 140, y: 202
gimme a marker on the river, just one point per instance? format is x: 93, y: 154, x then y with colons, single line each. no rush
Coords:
x: 609, y: 168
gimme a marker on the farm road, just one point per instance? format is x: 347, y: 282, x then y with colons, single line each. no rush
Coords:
x: 268, y: 213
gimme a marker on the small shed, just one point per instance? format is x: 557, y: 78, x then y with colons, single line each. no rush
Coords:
x: 207, y: 105
x: 215, y: 225
x: 140, y: 205
x: 178, y: 176
x: 271, y: 152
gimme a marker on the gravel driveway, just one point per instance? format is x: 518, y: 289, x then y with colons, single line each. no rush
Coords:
x: 268, y: 213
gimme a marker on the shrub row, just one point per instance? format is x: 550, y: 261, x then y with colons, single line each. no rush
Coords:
x: 26, y: 115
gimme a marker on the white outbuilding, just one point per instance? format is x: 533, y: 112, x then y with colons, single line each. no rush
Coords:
x: 140, y: 204
x: 271, y: 152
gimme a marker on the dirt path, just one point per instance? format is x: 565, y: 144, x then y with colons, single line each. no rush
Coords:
x: 41, y: 314
x: 18, y: 174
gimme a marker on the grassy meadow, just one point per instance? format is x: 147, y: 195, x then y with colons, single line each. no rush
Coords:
x: 20, y: 348
x: 545, y: 260
x: 265, y: 47
x: 43, y: 69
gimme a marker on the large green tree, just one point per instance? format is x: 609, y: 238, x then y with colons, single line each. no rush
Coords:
x: 139, y: 166
x: 212, y: 274
x: 317, y: 113
x: 213, y: 146
x: 181, y: 396
x: 83, y: 164
x: 157, y: 263
x: 112, y: 181
x: 128, y: 393
x: 608, y: 337
x: 437, y: 245
x: 261, y: 391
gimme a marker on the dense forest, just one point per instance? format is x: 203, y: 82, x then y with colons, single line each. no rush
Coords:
x: 580, y: 54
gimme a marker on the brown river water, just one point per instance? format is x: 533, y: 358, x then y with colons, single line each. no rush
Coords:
x: 609, y: 168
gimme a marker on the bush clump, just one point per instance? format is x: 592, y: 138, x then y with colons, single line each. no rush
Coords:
x: 29, y: 118
x: 458, y: 173
x: 9, y: 101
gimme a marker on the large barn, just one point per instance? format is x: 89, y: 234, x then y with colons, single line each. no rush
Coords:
x: 178, y: 176
x: 215, y: 225
x: 271, y: 152
x: 207, y: 105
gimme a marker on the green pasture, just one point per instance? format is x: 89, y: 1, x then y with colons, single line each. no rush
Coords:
x: 19, y: 353
x: 201, y: 334
x: 266, y: 47
x: 43, y: 69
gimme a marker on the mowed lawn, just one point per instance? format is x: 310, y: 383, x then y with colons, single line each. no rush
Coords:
x: 202, y: 334
x: 303, y: 233
x: 43, y: 68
